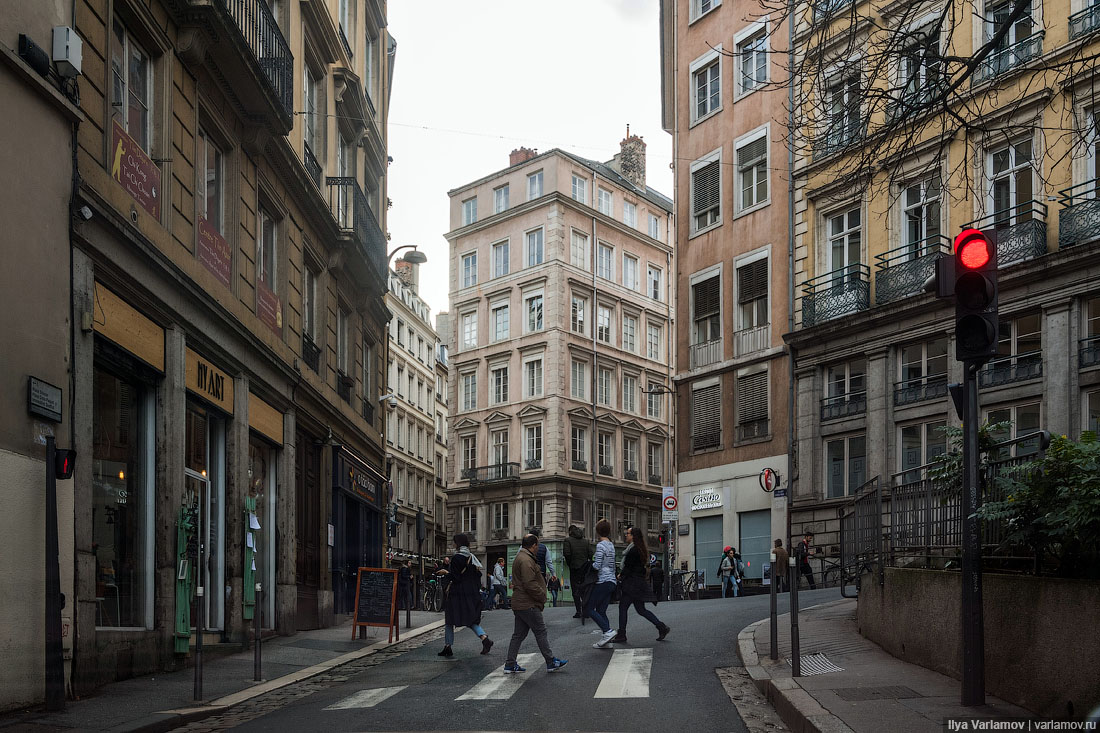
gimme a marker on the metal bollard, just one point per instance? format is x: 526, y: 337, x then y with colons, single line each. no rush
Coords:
x: 796, y: 658
x: 776, y: 574
x: 259, y: 641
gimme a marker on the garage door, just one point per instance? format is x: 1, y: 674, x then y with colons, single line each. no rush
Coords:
x: 756, y: 542
x: 708, y: 546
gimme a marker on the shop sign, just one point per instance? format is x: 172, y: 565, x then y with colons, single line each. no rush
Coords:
x: 357, y: 479
x: 269, y: 308
x: 135, y: 170
x: 209, y: 382
x: 706, y: 499
x: 214, y: 252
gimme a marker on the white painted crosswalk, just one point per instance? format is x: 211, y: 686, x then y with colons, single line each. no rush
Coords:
x: 627, y: 674
x: 366, y: 698
x: 498, y: 685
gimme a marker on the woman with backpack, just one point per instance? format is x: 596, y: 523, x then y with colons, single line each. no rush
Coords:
x: 636, y: 590
x: 462, y: 597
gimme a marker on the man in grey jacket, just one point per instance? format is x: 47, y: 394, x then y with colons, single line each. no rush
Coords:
x: 500, y: 586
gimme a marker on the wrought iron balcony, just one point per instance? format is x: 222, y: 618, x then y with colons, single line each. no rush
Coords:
x: 606, y: 470
x: 835, y: 294
x: 499, y: 534
x: 532, y: 463
x: 838, y: 136
x: 750, y: 340
x: 495, y: 472
x: 630, y: 474
x: 706, y: 441
x: 260, y: 33
x: 311, y: 353
x: 824, y: 9
x: 467, y: 473
x: 1088, y: 351
x: 313, y: 168
x: 1084, y: 22
x: 1019, y: 232
x: 706, y: 353
x: 349, y: 205
x: 655, y: 479
x: 1009, y: 58
x: 1079, y: 217
x: 844, y: 405
x: 1010, y: 369
x: 580, y: 465
x: 912, y: 391
x: 753, y: 429
x: 902, y: 271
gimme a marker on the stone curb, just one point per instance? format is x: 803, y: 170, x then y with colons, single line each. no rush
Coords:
x: 168, y: 719
x: 798, y: 709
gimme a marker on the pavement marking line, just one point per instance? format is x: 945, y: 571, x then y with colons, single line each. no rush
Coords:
x: 500, y: 686
x: 627, y: 674
x: 366, y: 698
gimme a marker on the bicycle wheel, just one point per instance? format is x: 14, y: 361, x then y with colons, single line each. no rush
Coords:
x: 832, y: 578
x: 437, y: 599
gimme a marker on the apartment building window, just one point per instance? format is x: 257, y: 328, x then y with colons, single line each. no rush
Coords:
x: 534, y: 513
x: 534, y: 185
x: 603, y: 386
x: 706, y: 81
x: 923, y: 369
x: 499, y: 379
x: 654, y: 398
x: 700, y: 8
x: 576, y: 314
x: 654, y: 277
x: 500, y: 199
x: 604, y: 201
x: 1092, y: 411
x: 752, y: 172
x: 580, y: 189
x: 630, y: 214
x: 534, y: 247
x: 266, y: 245
x: 845, y: 249
x: 342, y: 317
x: 706, y: 200
x: 605, y: 453
x: 1019, y: 352
x: 577, y: 381
x: 1022, y: 419
x: 706, y: 416
x: 630, y: 516
x: 630, y: 393
x: 630, y: 332
x: 400, y: 332
x: 311, y: 103
x: 370, y: 75
x: 369, y: 356
x: 654, y: 462
x: 654, y: 227
x: 498, y: 440
x: 919, y: 75
x: 1012, y: 184
x: 706, y: 311
x: 401, y: 432
x: 501, y: 322
x: 500, y: 259
x: 469, y: 520
x: 919, y: 445
x: 653, y: 341
x: 500, y: 516
x: 603, y: 510
x: 400, y: 484
x: 630, y: 272
x: 576, y: 510
x: 469, y: 211
x: 604, y: 255
x: 630, y: 458
x: 845, y: 465
x: 603, y: 324
x: 578, y: 448
x: 752, y: 55
x: 309, y: 304
x: 752, y: 405
x: 132, y: 86
x: 469, y: 452
x: 469, y: 270
x: 534, y: 313
x: 752, y: 305
x: 996, y: 15
x: 533, y: 377
x: 921, y: 215
x: 400, y: 381
x: 211, y: 181
x: 842, y: 99
x: 578, y: 249
x: 469, y: 390
x: 469, y: 330
x: 845, y: 390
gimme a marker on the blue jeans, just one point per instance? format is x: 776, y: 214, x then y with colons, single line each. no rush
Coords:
x: 597, y: 604
x: 449, y: 633
x: 730, y: 581
x: 554, y: 595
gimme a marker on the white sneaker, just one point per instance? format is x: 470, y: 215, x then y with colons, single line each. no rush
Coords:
x: 607, y: 637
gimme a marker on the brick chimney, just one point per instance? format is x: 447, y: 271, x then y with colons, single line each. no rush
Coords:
x: 408, y: 273
x: 632, y: 159
x: 521, y: 155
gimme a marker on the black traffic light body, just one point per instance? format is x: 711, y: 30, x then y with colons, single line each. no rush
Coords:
x: 975, y: 280
x: 64, y: 463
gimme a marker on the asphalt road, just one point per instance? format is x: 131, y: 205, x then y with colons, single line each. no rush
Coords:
x: 671, y: 685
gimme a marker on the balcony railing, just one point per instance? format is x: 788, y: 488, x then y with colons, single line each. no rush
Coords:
x: 499, y: 534
x: 532, y: 463
x: 495, y: 472
x: 349, y: 206
x: 706, y: 353
x: 261, y: 34
x: 606, y: 470
x: 1009, y: 58
x: 1011, y: 369
x: 751, y: 340
x: 1019, y: 232
x: 912, y: 391
x: 902, y: 271
x: 835, y: 294
x: 580, y: 465
x: 837, y: 137
x: 1088, y: 351
x: 313, y: 168
x: 844, y: 405
x: 311, y: 353
x: 655, y: 479
x: 1084, y: 22
x: 1079, y: 217
x: 630, y: 474
x: 752, y: 429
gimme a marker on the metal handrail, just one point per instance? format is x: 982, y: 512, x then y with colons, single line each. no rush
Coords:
x: 932, y: 245
x: 1085, y: 190
x: 1009, y: 58
x: 829, y: 280
x: 1005, y: 217
x: 357, y: 219
x: 1084, y: 21
x: 261, y: 33
x: 1088, y: 351
x: 918, y: 389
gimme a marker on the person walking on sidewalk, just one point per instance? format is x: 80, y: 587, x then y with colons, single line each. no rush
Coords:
x: 636, y: 590
x: 554, y: 586
x: 782, y: 567
x: 578, y: 554
x: 499, y: 598
x: 528, y: 600
x: 600, y: 596
x: 803, y: 552
x: 731, y: 578
x: 462, y: 597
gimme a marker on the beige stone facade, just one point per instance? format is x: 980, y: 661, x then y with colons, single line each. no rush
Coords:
x: 560, y: 313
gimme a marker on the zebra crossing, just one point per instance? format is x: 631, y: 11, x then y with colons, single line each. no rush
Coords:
x: 627, y: 675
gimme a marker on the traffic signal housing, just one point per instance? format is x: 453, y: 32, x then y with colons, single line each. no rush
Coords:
x: 976, y: 318
x: 64, y: 463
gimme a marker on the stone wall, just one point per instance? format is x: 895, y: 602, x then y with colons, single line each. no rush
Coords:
x: 1041, y: 643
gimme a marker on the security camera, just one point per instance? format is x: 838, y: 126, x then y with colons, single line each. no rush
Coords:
x: 85, y: 212
x: 393, y: 401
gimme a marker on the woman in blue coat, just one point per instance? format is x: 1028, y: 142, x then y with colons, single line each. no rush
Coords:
x: 462, y: 596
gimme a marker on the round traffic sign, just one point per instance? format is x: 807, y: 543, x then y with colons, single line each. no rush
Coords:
x: 670, y: 503
x: 769, y: 479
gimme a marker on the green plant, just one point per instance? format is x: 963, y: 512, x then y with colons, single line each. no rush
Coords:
x: 948, y: 468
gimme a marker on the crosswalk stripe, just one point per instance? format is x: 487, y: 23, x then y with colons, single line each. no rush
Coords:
x: 366, y: 698
x: 627, y: 675
x: 500, y: 686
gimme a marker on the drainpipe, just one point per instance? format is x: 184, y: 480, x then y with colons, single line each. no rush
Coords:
x: 790, y: 272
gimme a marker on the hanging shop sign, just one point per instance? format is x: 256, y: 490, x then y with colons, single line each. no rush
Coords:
x: 135, y: 171
x: 209, y: 382
x: 706, y: 499
x: 214, y: 252
x: 355, y: 477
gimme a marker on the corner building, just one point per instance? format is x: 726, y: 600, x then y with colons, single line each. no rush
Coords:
x: 561, y: 310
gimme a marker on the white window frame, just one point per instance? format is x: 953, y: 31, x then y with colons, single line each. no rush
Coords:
x: 533, y: 377
x: 469, y: 520
x: 604, y: 323
x: 578, y: 377
x: 499, y: 386
x: 605, y: 266
x: 532, y: 444
x: 630, y: 344
x: 468, y: 271
x: 497, y: 318
x: 630, y: 214
x: 750, y: 35
x: 701, y: 8
x: 578, y: 249
x: 713, y: 157
x: 605, y: 201
x: 534, y: 185
x: 577, y: 314
x: 651, y: 352
x: 629, y: 388
x: 468, y: 324
x: 121, y: 114
x: 500, y: 198
x: 469, y: 211
x: 741, y: 171
x: 703, y: 64
x: 655, y: 227
x: 502, y: 265
x: 534, y: 247
x: 540, y: 322
x: 744, y: 260
x: 580, y: 189
x: 604, y: 378
x: 649, y: 279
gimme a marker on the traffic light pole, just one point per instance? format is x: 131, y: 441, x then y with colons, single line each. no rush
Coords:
x: 55, y: 663
x: 973, y: 632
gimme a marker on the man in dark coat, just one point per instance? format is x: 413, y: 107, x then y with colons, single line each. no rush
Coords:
x: 578, y: 553
x: 462, y: 597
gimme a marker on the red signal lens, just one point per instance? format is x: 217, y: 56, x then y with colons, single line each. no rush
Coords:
x: 972, y: 249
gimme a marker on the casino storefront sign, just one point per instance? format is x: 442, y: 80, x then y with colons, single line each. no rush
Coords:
x: 706, y: 499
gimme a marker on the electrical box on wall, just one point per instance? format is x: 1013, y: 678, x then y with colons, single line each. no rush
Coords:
x: 68, y: 49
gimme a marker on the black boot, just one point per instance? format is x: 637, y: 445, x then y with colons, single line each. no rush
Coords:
x: 662, y: 631
x: 620, y: 637
x: 446, y: 652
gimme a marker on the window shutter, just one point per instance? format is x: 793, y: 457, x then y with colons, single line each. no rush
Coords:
x: 752, y: 397
x: 752, y: 152
x: 752, y: 281
x: 705, y: 183
x: 706, y: 297
x: 706, y: 417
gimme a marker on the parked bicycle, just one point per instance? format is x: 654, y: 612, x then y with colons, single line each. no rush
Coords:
x: 431, y: 598
x: 684, y: 584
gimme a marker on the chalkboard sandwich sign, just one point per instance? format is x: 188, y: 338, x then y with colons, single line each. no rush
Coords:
x: 376, y: 600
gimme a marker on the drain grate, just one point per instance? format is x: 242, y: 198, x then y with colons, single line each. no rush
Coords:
x: 858, y: 694
x: 817, y: 664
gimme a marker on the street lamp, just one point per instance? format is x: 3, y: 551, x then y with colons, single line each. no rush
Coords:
x: 416, y: 257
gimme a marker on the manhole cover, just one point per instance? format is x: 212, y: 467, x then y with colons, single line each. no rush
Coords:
x: 856, y: 694
x: 816, y: 664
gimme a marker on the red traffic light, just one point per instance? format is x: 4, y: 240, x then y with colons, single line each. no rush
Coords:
x: 64, y: 463
x: 972, y: 249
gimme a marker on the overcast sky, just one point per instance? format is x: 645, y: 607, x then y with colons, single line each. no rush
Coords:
x: 475, y: 79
